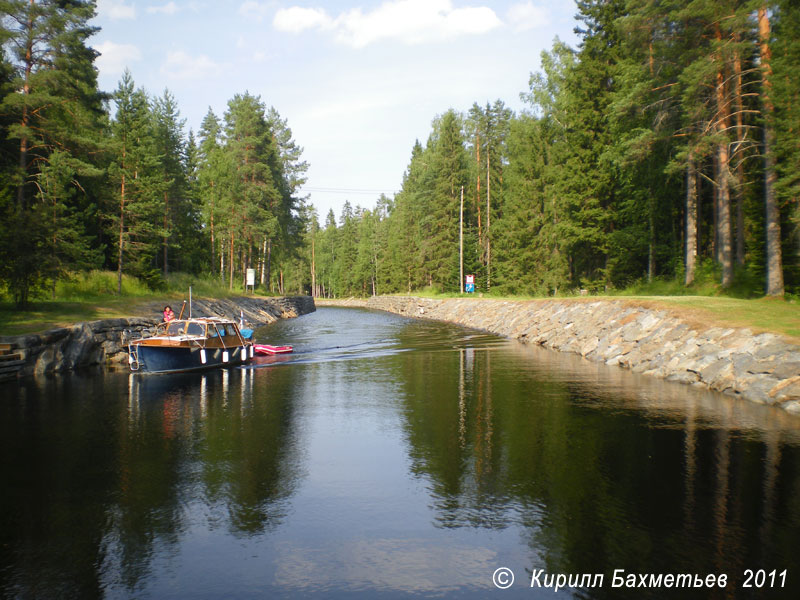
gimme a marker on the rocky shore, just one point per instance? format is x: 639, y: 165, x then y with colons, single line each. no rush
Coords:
x: 763, y: 368
x: 99, y: 342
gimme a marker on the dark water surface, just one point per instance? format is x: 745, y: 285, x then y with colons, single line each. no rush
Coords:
x: 390, y: 458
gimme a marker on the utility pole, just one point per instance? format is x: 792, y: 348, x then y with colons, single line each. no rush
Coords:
x: 461, y: 243
x: 488, y: 219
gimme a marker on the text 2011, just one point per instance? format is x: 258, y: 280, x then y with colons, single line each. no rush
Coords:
x: 764, y: 579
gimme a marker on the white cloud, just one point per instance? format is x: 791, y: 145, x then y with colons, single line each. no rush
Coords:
x: 408, y: 21
x: 181, y: 65
x: 170, y: 8
x: 297, y: 19
x: 523, y: 17
x: 254, y: 10
x: 115, y: 57
x: 115, y: 10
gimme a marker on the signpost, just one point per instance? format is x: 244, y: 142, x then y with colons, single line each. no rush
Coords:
x: 470, y: 287
x: 251, y: 279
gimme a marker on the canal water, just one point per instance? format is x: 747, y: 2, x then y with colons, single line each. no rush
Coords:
x: 393, y: 458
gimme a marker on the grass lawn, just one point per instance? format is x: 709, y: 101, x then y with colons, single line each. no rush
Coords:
x: 48, y: 315
x: 762, y: 314
x: 92, y: 296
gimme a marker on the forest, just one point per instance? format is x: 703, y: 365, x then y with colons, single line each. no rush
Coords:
x: 664, y: 146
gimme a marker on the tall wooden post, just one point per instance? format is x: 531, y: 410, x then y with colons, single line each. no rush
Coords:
x: 461, y: 243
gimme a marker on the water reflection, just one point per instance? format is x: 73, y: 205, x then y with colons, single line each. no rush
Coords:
x: 604, y: 469
x: 386, y: 458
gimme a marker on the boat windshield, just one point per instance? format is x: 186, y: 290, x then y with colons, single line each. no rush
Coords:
x: 195, y: 329
x: 175, y: 327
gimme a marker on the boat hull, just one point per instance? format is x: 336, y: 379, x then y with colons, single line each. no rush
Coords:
x: 165, y: 359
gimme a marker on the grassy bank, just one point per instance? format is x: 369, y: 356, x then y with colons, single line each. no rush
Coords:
x: 759, y: 314
x: 92, y: 296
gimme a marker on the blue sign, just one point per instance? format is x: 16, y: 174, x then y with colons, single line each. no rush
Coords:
x: 470, y: 288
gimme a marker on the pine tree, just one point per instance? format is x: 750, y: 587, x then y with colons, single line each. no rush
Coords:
x: 774, y: 256
x: 211, y: 172
x: 55, y: 105
x: 178, y: 213
x: 136, y: 172
x: 248, y: 140
x: 489, y: 126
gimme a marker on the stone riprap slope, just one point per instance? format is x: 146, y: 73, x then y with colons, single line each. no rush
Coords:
x: 96, y: 342
x: 764, y: 368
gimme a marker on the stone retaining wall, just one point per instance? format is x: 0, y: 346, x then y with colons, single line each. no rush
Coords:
x: 763, y: 368
x: 97, y: 342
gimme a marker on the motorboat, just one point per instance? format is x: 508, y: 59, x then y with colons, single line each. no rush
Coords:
x: 190, y: 345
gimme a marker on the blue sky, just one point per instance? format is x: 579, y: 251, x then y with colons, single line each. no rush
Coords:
x: 359, y: 81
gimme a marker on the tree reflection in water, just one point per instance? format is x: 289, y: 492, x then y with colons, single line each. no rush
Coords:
x: 388, y: 457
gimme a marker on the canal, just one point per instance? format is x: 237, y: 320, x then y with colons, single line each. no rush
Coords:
x: 393, y: 458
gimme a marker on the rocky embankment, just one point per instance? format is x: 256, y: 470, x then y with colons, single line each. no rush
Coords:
x: 763, y: 368
x: 98, y: 342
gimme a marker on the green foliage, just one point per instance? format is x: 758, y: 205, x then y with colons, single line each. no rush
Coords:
x: 663, y: 111
x: 656, y: 116
x: 97, y: 285
x: 51, y: 120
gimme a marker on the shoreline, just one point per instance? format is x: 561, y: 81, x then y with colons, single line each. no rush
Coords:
x: 763, y: 368
x: 104, y: 341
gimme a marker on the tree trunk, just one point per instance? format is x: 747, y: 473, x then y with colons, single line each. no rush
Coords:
x: 26, y: 88
x: 739, y: 186
x: 313, y: 270
x: 478, y: 192
x: 269, y: 260
x: 774, y: 258
x: 121, y: 231
x: 723, y: 176
x: 211, y: 219
x: 166, y: 234
x: 263, y: 261
x: 651, y: 246
x: 725, y: 241
x: 230, y: 261
x: 716, y: 253
x: 691, y: 221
